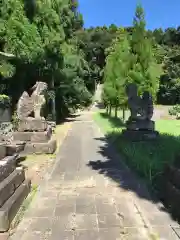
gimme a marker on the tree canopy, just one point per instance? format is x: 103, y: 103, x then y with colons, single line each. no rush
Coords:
x: 42, y: 36
x: 50, y: 44
x: 130, y: 60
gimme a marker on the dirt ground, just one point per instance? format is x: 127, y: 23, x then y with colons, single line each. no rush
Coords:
x: 37, y: 165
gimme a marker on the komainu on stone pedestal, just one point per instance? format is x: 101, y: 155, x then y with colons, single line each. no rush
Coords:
x: 139, y: 125
x: 32, y: 104
x: 35, y: 131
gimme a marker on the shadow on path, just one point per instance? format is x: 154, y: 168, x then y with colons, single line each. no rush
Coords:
x: 116, y: 122
x: 157, y: 153
x: 69, y: 118
x: 99, y: 105
x: 115, y: 169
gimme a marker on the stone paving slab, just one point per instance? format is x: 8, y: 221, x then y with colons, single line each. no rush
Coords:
x: 91, y: 196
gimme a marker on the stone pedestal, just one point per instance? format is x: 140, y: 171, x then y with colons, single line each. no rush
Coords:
x: 140, y: 135
x: 140, y: 130
x: 140, y: 125
x: 32, y: 125
x: 37, y: 134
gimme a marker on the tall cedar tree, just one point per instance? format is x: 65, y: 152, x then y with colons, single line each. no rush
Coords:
x: 116, y: 72
x: 42, y: 35
x: 145, y: 70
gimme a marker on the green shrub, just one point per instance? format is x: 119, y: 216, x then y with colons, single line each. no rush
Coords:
x: 4, y: 101
x: 175, y: 111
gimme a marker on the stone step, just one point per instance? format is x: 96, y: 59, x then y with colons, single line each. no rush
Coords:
x: 14, y: 147
x: 9, y: 149
x: 40, y: 148
x: 7, y: 166
x: 33, y: 136
x: 12, y: 205
x: 9, y: 185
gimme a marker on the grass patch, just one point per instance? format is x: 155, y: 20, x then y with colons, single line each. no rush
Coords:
x: 108, y: 124
x: 170, y: 127
x: 39, y: 157
x: 147, y: 158
x: 23, y: 208
x: 60, y: 133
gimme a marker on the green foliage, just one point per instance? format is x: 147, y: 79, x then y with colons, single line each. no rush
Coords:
x: 5, y: 101
x: 145, y: 70
x: 167, y: 54
x: 51, y: 45
x: 116, y: 71
x: 170, y: 79
x: 130, y: 59
x: 6, y: 69
x: 42, y: 36
x: 175, y: 111
x: 94, y: 42
x: 15, y: 121
x: 20, y: 37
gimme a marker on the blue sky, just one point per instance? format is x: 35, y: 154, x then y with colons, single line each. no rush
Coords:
x: 159, y: 13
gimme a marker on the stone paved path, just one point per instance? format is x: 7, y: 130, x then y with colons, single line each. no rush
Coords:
x: 90, y: 195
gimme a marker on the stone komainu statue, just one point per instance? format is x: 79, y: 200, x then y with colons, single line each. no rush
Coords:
x: 32, y: 104
x: 141, y: 108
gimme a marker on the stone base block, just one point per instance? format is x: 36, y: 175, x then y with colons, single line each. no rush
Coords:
x: 4, y: 236
x: 140, y: 124
x: 9, y: 185
x: 2, y: 150
x: 40, y: 148
x: 14, y: 148
x: 12, y: 205
x: 140, y: 135
x: 7, y: 166
x: 32, y: 125
x: 33, y: 136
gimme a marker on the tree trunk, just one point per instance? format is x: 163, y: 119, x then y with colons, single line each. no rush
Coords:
x: 124, y: 115
x: 110, y: 110
x: 116, y: 111
x: 53, y: 103
x: 107, y: 109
